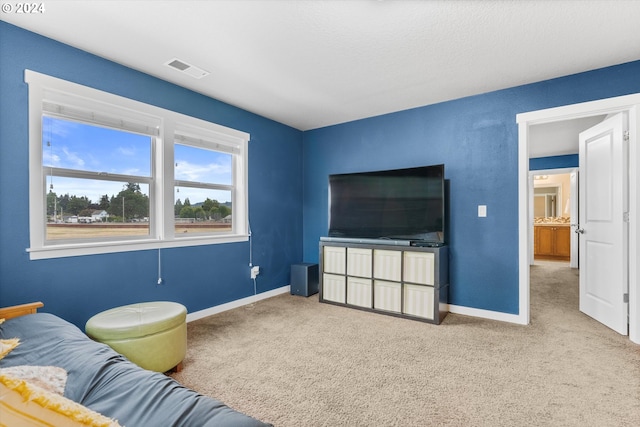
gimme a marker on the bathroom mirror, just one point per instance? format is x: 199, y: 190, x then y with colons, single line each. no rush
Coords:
x: 545, y: 202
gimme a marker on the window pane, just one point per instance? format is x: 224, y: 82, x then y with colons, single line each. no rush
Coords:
x: 200, y: 210
x: 200, y: 165
x: 92, y: 209
x: 72, y: 145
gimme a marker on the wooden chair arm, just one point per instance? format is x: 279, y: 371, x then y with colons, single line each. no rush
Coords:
x: 20, y: 310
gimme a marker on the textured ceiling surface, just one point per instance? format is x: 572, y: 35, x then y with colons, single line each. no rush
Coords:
x: 310, y: 64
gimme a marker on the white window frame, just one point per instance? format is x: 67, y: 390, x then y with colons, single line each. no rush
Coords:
x: 169, y: 127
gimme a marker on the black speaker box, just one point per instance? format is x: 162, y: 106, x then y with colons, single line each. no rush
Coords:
x: 304, y: 279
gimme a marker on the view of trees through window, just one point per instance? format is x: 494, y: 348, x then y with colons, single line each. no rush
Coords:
x: 99, y: 178
x: 127, y: 213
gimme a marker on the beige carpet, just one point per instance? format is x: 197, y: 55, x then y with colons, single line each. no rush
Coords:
x: 292, y: 361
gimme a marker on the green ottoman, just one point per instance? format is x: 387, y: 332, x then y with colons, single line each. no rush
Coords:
x: 152, y: 335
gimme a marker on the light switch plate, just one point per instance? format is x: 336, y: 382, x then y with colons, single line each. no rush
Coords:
x: 482, y: 211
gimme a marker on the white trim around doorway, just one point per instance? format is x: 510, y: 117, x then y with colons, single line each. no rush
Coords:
x: 628, y: 103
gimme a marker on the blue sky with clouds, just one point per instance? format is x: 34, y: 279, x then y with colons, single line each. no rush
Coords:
x: 78, y: 146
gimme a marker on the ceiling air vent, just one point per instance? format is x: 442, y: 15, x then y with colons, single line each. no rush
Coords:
x: 189, y: 69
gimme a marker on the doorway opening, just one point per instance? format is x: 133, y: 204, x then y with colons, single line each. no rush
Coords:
x: 527, y: 123
x: 554, y: 245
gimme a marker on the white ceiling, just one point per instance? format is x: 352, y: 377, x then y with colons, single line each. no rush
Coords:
x: 559, y: 138
x: 310, y: 64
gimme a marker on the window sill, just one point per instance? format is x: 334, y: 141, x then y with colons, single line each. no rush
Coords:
x: 95, y: 248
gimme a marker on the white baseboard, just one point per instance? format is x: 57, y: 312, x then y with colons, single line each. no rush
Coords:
x: 456, y: 309
x: 487, y: 314
x: 237, y: 303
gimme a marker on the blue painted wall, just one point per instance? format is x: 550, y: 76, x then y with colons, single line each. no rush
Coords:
x: 554, y: 162
x: 477, y: 140
x: 199, y: 277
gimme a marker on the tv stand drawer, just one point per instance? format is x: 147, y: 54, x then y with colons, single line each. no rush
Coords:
x: 333, y: 288
x: 419, y: 267
x: 334, y: 259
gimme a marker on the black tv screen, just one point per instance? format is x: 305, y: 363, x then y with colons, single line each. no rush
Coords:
x: 405, y: 204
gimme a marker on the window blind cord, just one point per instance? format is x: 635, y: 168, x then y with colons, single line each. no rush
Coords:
x: 159, y: 268
x: 255, y: 284
x: 250, y: 246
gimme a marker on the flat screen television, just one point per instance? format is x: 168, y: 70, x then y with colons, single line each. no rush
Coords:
x: 399, y: 204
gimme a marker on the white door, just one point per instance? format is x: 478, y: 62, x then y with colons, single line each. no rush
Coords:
x: 602, y: 227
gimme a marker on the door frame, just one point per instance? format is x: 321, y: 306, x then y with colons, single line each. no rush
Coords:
x: 627, y: 103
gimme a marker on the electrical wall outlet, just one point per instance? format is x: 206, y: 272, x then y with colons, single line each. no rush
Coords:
x: 255, y: 270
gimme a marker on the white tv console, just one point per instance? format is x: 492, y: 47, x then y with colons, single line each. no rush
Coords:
x: 404, y: 281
